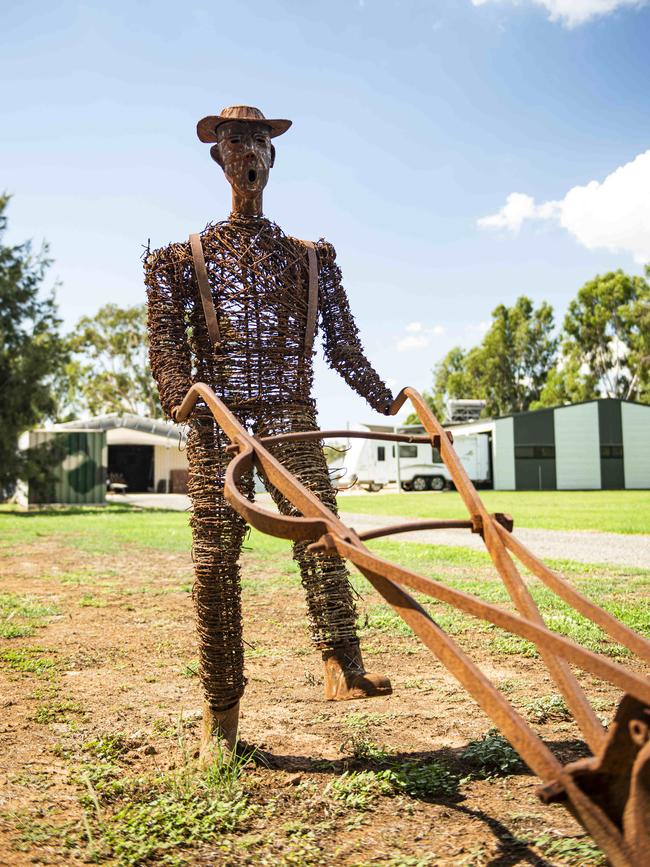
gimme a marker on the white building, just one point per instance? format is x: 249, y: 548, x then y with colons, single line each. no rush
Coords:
x: 598, y: 444
x: 147, y: 454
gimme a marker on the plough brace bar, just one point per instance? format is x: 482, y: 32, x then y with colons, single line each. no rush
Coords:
x: 609, y: 792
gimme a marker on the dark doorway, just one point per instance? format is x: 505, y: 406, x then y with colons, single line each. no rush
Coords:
x: 534, y: 434
x: 133, y: 465
x: 535, y: 473
x: 610, y: 428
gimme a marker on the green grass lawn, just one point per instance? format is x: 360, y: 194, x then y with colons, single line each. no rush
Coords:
x: 97, y: 530
x: 134, y: 814
x: 610, y: 511
x: 623, y: 590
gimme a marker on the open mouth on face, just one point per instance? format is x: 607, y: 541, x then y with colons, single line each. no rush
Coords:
x: 252, y: 176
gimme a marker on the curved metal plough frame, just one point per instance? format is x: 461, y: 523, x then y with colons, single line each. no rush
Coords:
x: 608, y: 793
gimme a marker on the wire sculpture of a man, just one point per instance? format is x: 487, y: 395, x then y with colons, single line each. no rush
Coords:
x: 237, y: 307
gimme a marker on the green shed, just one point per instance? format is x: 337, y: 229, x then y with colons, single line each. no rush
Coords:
x: 77, y: 461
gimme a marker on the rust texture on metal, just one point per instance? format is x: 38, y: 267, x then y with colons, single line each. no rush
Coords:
x: 609, y: 793
x: 304, y: 436
x: 411, y: 526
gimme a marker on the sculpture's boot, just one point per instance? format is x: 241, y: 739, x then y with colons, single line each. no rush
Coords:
x: 346, y: 677
x: 218, y: 732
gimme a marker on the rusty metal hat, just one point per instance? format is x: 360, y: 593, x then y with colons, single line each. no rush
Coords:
x: 206, y: 128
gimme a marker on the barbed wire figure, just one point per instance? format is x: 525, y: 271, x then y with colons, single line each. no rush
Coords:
x: 237, y: 307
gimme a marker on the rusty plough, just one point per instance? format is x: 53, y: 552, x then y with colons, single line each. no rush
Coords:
x: 609, y: 792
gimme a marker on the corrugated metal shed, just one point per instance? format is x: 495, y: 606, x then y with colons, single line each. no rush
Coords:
x: 78, y: 463
x: 636, y: 445
x: 577, y: 447
x: 146, y: 454
x: 601, y: 443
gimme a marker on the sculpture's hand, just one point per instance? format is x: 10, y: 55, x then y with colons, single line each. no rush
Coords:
x: 399, y: 401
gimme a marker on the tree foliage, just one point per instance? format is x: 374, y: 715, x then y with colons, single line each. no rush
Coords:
x: 509, y: 367
x: 108, y: 371
x: 605, y: 351
x: 567, y: 382
x: 31, y: 349
x: 606, y: 347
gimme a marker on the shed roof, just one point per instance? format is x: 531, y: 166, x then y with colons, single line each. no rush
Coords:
x: 131, y: 429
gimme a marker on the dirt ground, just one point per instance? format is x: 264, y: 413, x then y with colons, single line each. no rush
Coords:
x: 116, y: 665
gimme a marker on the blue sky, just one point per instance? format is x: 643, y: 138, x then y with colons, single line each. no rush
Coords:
x: 414, y: 124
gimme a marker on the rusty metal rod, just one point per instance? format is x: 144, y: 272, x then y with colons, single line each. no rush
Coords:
x: 304, y: 436
x: 529, y: 629
x: 607, y: 622
x: 527, y: 743
x: 414, y: 526
x: 320, y: 524
x: 584, y: 714
x: 273, y: 523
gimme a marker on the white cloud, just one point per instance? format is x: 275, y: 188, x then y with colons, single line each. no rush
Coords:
x: 418, y: 336
x: 412, y: 342
x: 613, y: 214
x: 518, y: 207
x: 571, y: 13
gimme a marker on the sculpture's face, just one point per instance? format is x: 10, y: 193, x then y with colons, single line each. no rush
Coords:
x: 246, y: 155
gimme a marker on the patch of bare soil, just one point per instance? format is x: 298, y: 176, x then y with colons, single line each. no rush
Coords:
x: 116, y: 666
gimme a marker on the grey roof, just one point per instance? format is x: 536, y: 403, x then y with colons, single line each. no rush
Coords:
x: 131, y: 422
x: 560, y: 406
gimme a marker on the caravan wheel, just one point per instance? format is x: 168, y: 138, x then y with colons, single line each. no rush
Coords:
x: 420, y: 483
x: 437, y: 483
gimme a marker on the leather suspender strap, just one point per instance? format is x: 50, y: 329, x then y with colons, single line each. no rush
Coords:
x: 312, y: 299
x: 204, y: 288
x: 208, y: 304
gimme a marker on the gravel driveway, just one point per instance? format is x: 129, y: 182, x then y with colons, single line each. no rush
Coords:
x: 584, y: 546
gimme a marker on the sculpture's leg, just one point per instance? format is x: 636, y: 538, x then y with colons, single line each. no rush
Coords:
x: 330, y: 604
x: 217, y: 535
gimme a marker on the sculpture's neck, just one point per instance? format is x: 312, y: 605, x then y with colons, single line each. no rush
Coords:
x: 246, y: 205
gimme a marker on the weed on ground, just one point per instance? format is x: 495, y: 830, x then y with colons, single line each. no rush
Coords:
x: 491, y: 755
x: 21, y: 616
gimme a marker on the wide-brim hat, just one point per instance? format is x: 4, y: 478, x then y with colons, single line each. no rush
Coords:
x: 206, y: 128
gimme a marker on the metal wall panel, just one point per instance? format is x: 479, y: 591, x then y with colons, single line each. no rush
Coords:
x: 636, y: 444
x: 534, y: 436
x: 78, y: 463
x: 503, y: 454
x: 612, y: 474
x: 165, y: 460
x: 577, y: 447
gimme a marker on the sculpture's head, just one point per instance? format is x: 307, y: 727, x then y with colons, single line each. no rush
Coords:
x: 246, y: 155
x: 243, y: 147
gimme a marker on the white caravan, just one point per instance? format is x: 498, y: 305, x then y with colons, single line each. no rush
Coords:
x: 372, y: 463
